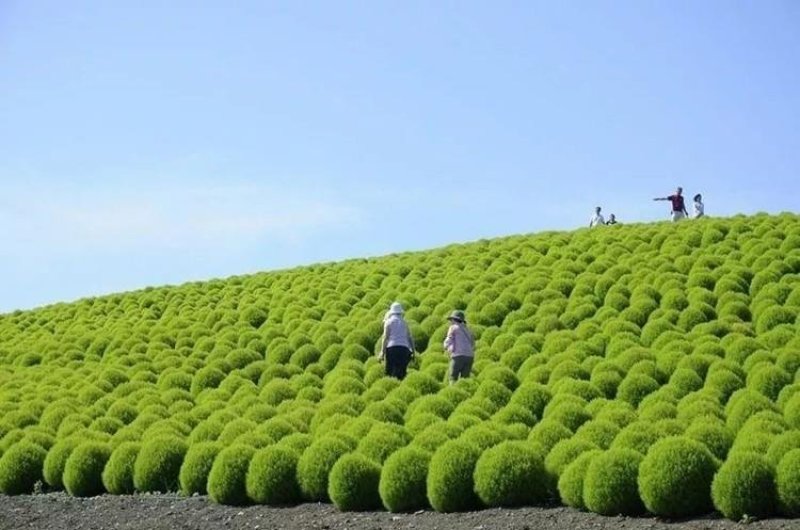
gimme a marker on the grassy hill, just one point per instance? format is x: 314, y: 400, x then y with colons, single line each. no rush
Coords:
x: 621, y: 369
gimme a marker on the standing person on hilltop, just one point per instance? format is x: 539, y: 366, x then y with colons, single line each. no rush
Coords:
x: 698, y: 208
x: 397, y: 344
x: 678, y: 206
x: 460, y: 344
x: 597, y: 218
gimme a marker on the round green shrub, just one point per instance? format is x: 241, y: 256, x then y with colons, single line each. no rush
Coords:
x: 562, y: 455
x: 21, y: 467
x: 197, y: 464
x: 118, y: 473
x: 314, y: 466
x: 403, y: 478
x: 570, y: 483
x: 228, y: 476
x: 768, y: 380
x: 744, y: 485
x: 675, y: 478
x: 158, y: 465
x: 510, y: 474
x: 83, y: 472
x: 450, y: 482
x: 635, y: 387
x: 272, y: 477
x: 639, y: 436
x: 610, y: 486
x: 713, y: 434
x: 353, y: 483
x: 57, y: 456
x: 781, y: 445
x: 787, y: 481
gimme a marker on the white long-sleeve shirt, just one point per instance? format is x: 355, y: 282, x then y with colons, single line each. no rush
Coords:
x: 597, y: 220
x: 459, y: 341
x: 396, y: 331
x: 698, y: 209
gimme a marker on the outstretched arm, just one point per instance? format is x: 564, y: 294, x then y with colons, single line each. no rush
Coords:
x: 384, y: 341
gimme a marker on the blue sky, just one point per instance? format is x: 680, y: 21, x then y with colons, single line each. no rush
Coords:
x: 148, y: 142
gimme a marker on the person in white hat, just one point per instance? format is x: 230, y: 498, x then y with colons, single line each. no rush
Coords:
x: 397, y: 344
x: 460, y: 344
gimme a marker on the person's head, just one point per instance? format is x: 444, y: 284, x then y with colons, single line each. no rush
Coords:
x: 597, y: 209
x: 679, y: 191
x: 698, y: 198
x: 396, y: 309
x: 612, y: 217
x: 457, y: 317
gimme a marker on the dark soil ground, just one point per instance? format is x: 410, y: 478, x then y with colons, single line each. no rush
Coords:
x: 58, y: 511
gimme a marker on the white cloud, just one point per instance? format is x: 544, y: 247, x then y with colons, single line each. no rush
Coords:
x: 155, y: 216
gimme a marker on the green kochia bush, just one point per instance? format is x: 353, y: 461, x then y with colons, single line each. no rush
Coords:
x: 675, y: 478
x: 510, y: 474
x: 610, y: 485
x: 227, y: 479
x: 83, y: 472
x: 450, y: 483
x: 196, y: 467
x: 353, y: 483
x: 403, y: 477
x: 315, y: 465
x: 21, y: 467
x: 744, y: 485
x: 272, y: 477
x: 158, y: 464
x: 787, y: 480
x: 56, y: 460
x: 118, y: 472
x: 570, y: 483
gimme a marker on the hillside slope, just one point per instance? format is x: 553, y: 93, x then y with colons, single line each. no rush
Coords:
x: 605, y: 357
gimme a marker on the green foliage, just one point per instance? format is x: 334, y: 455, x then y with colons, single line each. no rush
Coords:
x: 510, y: 474
x: 55, y: 461
x: 83, y: 472
x: 228, y: 476
x: 353, y: 483
x: 118, y: 473
x: 314, y: 466
x: 272, y: 477
x: 403, y: 478
x: 196, y: 467
x: 610, y: 484
x: 158, y: 464
x: 21, y: 467
x: 450, y: 484
x: 787, y: 481
x: 675, y: 478
x: 744, y: 485
x: 570, y: 483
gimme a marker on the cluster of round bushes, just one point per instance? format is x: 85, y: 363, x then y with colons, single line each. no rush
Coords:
x: 652, y: 368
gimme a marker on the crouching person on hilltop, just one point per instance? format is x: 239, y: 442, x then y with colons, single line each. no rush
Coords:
x: 397, y: 345
x: 460, y: 344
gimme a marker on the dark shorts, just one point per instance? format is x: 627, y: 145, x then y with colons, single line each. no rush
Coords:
x: 460, y: 366
x: 397, y: 359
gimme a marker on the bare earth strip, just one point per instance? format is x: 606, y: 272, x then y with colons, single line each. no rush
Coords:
x: 57, y: 511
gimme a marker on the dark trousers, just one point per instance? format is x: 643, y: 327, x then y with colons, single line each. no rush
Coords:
x: 397, y: 359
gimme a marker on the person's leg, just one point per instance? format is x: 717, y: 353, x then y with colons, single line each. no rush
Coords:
x: 466, y: 369
x: 452, y: 374
x: 390, y: 362
x: 404, y: 357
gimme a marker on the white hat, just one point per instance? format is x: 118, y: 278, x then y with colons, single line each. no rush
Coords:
x: 396, y: 308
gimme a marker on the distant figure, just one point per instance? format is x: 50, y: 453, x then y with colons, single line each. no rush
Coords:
x: 460, y: 344
x: 678, y: 207
x: 397, y: 345
x: 612, y: 220
x: 698, y: 209
x: 597, y: 218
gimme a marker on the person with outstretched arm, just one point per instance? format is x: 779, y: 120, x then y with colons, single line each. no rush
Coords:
x: 597, y: 218
x: 460, y: 344
x: 397, y: 345
x: 678, y: 206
